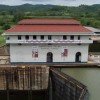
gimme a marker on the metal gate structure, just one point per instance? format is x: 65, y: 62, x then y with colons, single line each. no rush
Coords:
x: 28, y: 78
x: 64, y: 87
x: 39, y: 83
x: 24, y: 83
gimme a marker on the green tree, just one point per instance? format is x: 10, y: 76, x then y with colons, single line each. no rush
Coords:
x: 6, y: 26
x: 18, y: 16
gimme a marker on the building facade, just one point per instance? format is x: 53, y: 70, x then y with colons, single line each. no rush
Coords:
x: 48, y: 41
x: 96, y: 37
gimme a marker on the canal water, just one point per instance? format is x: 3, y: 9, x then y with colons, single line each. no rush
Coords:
x: 89, y: 77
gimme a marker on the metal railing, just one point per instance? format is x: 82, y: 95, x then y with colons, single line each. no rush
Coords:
x: 49, y: 41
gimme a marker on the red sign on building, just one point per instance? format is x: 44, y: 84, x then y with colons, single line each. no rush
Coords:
x: 65, y: 53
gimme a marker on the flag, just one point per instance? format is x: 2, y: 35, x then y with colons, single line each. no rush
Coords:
x: 33, y: 54
x: 65, y: 53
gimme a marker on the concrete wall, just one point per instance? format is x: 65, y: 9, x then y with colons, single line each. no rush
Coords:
x: 23, y: 53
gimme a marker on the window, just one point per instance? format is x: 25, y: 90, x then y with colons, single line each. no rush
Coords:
x: 78, y: 37
x: 49, y: 37
x: 89, y: 38
x: 27, y: 37
x: 34, y: 37
x: 49, y: 44
x: 42, y: 37
x: 19, y: 37
x: 64, y: 37
x: 72, y: 37
x: 8, y: 38
x: 19, y: 44
x: 79, y: 44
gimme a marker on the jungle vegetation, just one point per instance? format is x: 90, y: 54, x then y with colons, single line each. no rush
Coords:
x: 10, y: 15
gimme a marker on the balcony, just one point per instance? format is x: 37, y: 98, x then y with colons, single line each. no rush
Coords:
x: 49, y: 41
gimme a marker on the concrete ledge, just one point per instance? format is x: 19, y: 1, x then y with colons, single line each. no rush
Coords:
x: 59, y: 64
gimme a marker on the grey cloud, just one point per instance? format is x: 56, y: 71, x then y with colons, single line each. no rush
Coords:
x: 55, y: 2
x: 48, y: 0
x: 35, y: 0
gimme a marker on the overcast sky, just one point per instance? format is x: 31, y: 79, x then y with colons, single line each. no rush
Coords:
x: 55, y: 2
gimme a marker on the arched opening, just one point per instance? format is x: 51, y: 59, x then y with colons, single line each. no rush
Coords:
x: 78, y: 57
x: 49, y: 57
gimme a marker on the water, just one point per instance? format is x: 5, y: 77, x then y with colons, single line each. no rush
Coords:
x: 89, y: 77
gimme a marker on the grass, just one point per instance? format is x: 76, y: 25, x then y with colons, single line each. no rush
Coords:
x: 1, y: 31
x: 2, y: 39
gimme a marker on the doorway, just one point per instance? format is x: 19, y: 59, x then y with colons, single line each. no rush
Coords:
x: 78, y: 57
x: 49, y: 57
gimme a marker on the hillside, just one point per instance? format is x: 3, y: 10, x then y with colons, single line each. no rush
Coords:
x: 24, y: 8
x: 10, y: 15
x: 87, y: 15
x: 29, y: 7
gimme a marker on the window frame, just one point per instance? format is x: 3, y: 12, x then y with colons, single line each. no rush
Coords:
x: 49, y: 37
x: 34, y: 37
x: 27, y: 37
x: 19, y: 37
x: 72, y: 37
x: 79, y: 37
x: 64, y: 37
x: 42, y: 37
x: 7, y: 38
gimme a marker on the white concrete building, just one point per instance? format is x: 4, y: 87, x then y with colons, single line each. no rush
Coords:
x: 48, y: 41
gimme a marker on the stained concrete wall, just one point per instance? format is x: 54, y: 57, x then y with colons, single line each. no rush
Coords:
x: 23, y: 53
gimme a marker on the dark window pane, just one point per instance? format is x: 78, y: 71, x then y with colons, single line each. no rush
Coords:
x: 49, y: 37
x: 19, y: 37
x: 27, y: 37
x: 64, y: 37
x: 34, y: 37
x: 42, y: 37
x: 19, y: 44
x: 78, y: 37
x: 72, y: 37
x: 8, y: 38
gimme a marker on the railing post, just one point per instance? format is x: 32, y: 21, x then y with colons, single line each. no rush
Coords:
x: 7, y: 84
x: 50, y: 86
x: 30, y: 89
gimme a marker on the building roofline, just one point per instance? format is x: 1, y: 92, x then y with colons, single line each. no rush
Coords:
x: 92, y: 29
x: 46, y: 21
x: 49, y: 33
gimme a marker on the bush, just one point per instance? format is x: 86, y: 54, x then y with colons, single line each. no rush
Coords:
x: 6, y: 26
